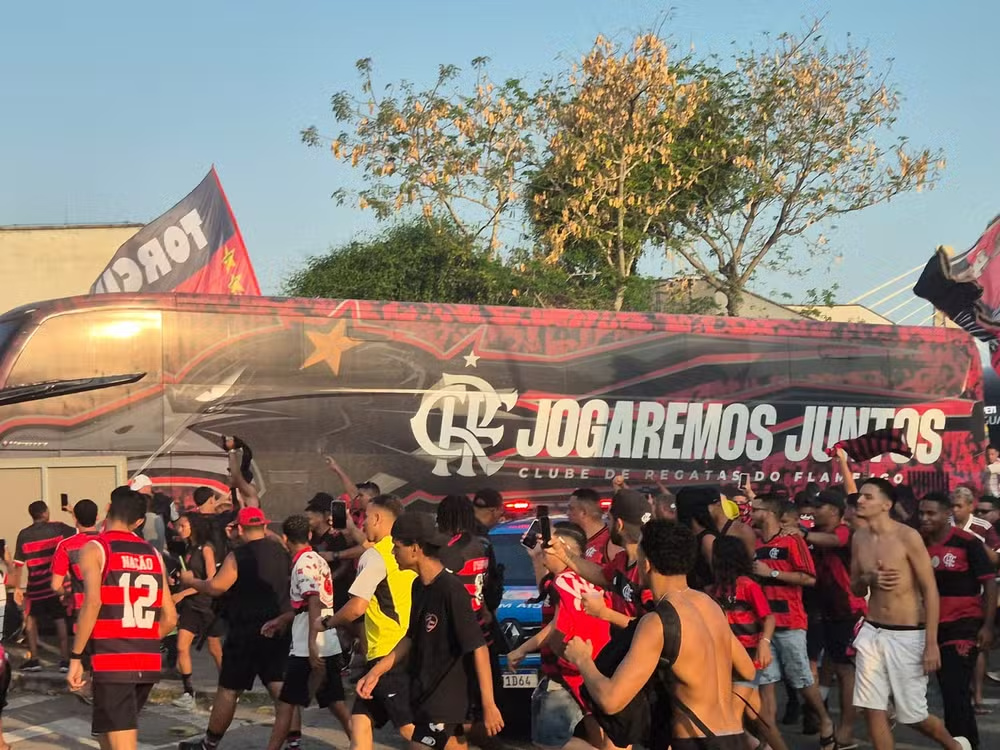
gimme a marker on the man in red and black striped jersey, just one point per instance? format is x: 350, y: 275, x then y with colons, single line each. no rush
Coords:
x: 783, y: 565
x: 839, y: 609
x: 967, y: 586
x: 36, y: 544
x: 66, y: 575
x: 127, y: 609
x: 584, y: 509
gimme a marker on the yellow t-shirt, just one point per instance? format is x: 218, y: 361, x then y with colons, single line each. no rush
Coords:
x: 387, y: 590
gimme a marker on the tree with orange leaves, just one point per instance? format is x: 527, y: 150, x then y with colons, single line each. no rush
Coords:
x: 620, y: 152
x: 813, y: 145
x: 448, y: 151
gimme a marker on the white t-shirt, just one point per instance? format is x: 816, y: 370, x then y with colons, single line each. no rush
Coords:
x: 311, y: 577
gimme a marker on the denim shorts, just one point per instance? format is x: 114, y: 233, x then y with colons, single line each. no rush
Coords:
x: 791, y: 660
x: 554, y: 714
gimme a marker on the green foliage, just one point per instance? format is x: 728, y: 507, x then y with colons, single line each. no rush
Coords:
x: 414, y: 262
x: 632, y: 149
x: 422, y: 261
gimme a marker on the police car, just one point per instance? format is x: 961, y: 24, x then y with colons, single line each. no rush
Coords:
x: 519, y: 620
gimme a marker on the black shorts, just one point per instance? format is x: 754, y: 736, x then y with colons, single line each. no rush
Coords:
x: 246, y: 657
x: 200, y: 622
x: 295, y: 688
x: 49, y: 610
x: 390, y: 700
x: 117, y: 706
x: 838, y: 637
x: 435, y: 735
x: 814, y: 637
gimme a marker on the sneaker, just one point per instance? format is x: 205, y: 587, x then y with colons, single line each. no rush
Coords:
x: 64, y: 666
x: 198, y: 744
x: 31, y: 665
x: 185, y: 701
x: 963, y: 743
x: 994, y: 676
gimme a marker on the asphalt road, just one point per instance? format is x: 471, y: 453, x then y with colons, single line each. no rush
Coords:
x: 38, y: 720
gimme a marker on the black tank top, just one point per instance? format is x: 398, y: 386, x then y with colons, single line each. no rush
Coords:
x: 260, y: 593
x: 194, y: 560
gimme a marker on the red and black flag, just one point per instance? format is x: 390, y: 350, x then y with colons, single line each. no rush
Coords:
x: 872, y: 444
x: 966, y: 288
x: 196, y: 246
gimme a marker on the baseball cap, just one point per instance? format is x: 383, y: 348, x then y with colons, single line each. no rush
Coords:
x: 419, y: 528
x: 140, y: 482
x: 631, y: 507
x: 487, y: 498
x: 320, y: 503
x: 827, y: 497
x: 730, y: 508
x: 202, y: 495
x: 252, y: 517
x: 698, y: 496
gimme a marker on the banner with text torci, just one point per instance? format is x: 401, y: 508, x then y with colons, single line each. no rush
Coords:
x: 196, y: 246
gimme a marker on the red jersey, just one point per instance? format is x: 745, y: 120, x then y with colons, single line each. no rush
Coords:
x: 66, y: 563
x: 835, y: 599
x: 125, y: 644
x: 786, y: 553
x: 34, y: 549
x: 568, y: 590
x: 961, y: 567
x: 467, y: 557
x: 746, y: 608
x: 596, y: 550
x: 623, y: 583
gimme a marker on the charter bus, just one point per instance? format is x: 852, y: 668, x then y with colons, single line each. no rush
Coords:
x: 431, y: 399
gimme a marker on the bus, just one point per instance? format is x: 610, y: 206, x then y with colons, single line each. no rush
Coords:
x: 431, y: 399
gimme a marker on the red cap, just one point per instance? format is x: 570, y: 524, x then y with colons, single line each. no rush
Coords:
x: 252, y: 517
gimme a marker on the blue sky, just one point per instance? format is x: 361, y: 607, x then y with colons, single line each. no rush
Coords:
x: 112, y: 111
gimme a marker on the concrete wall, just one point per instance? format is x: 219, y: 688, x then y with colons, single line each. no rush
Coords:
x: 39, y: 263
x: 845, y: 314
x: 753, y: 306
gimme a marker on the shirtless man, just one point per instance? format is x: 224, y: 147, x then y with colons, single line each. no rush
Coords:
x: 707, y: 656
x: 897, y: 647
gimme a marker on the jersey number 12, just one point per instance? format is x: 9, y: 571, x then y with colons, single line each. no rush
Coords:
x: 137, y: 614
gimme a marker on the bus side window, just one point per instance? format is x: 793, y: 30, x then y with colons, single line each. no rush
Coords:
x: 92, y: 343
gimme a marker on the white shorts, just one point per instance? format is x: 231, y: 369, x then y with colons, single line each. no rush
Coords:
x: 890, y: 663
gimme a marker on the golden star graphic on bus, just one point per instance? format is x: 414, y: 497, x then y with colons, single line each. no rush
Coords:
x: 329, y: 347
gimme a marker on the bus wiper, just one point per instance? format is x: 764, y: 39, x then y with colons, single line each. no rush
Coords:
x: 49, y: 389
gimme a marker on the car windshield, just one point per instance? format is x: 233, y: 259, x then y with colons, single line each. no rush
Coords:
x: 518, y: 570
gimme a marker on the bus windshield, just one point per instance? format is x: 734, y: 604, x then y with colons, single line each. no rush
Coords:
x: 7, y: 330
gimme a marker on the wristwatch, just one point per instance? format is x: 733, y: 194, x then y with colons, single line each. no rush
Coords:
x: 774, y: 574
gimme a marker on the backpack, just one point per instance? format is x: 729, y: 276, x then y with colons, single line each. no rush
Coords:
x: 634, y: 724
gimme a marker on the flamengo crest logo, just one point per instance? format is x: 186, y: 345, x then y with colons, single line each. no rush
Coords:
x: 468, y: 405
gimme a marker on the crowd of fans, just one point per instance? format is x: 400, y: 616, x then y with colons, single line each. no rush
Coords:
x: 668, y: 622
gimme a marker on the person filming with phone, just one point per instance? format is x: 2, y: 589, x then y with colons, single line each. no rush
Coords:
x: 629, y: 511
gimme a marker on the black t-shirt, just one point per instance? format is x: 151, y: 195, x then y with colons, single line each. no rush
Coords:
x: 442, y: 632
